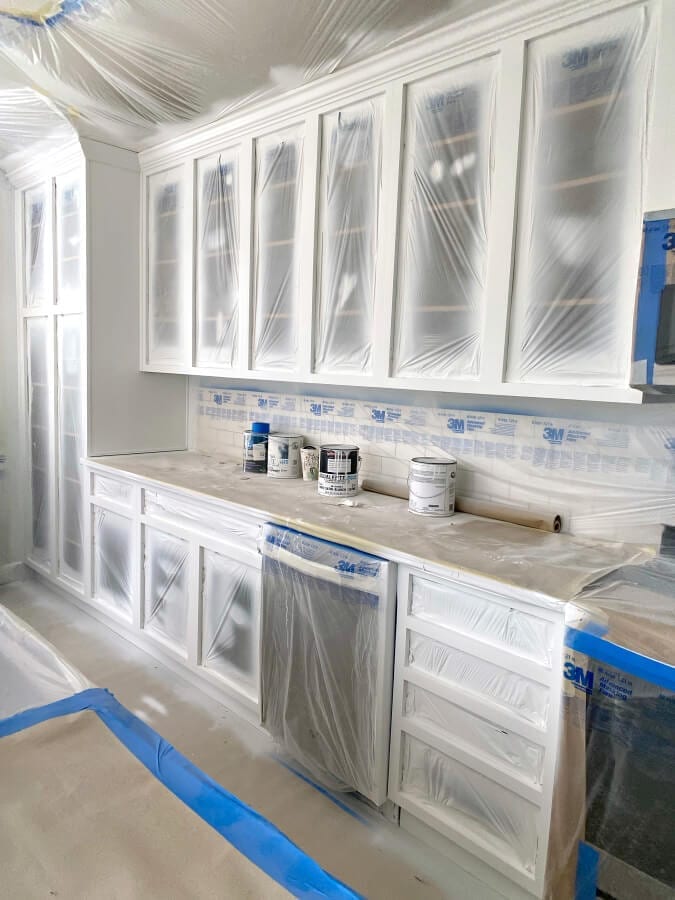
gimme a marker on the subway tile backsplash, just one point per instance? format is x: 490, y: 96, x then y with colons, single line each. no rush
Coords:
x: 607, y: 479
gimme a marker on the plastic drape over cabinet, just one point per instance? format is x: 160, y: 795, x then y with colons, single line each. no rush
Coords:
x: 32, y: 672
x: 277, y: 250
x: 69, y: 243
x: 113, y: 561
x: 443, y: 234
x: 327, y: 635
x: 218, y: 260
x: 166, y: 567
x: 166, y: 340
x: 230, y: 592
x: 349, y: 201
x: 580, y: 208
x: 38, y: 358
x: 71, y: 449
x: 39, y: 287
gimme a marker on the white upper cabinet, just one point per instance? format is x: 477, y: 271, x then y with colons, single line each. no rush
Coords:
x: 37, y: 268
x: 217, y: 284
x: 464, y: 215
x: 349, y: 199
x: 70, y: 251
x: 445, y: 203
x: 278, y: 192
x: 580, y: 209
x: 167, y: 332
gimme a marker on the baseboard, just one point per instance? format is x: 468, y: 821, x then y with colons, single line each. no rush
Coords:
x: 12, y: 572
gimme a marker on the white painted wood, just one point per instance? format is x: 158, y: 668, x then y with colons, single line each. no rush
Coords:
x: 502, y: 218
x: 445, y: 821
x: 660, y: 182
x: 387, y: 232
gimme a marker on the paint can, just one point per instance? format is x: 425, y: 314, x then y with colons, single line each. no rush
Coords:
x: 255, y: 448
x: 283, y: 459
x: 310, y: 463
x: 338, y: 470
x: 431, y: 485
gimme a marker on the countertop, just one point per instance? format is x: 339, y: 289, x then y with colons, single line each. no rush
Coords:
x: 554, y: 565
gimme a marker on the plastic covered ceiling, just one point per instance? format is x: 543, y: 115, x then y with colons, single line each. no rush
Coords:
x: 128, y: 71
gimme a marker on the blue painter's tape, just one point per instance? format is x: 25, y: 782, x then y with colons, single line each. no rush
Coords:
x: 588, y: 864
x: 652, y: 281
x: 322, y: 790
x: 244, y: 828
x: 658, y: 673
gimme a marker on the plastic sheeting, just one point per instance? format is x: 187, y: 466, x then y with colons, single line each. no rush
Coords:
x: 38, y: 246
x: 277, y: 249
x: 167, y: 560
x: 445, y: 203
x: 472, y: 612
x: 505, y: 748
x: 32, y: 672
x: 119, y: 69
x: 327, y: 643
x: 69, y: 240
x: 39, y: 363
x: 349, y: 208
x: 166, y: 338
x: 113, y: 561
x: 527, y: 699
x: 230, y: 593
x: 585, y: 140
x: 218, y: 259
x: 469, y: 799
x: 71, y: 444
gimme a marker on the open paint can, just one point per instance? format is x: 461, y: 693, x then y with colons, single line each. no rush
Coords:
x: 431, y: 486
x: 338, y: 470
x: 283, y: 455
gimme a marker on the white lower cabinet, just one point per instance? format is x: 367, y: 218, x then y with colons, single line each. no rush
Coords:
x: 475, y: 720
x: 181, y: 577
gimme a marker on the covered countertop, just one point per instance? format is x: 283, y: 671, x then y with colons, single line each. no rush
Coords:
x: 555, y: 565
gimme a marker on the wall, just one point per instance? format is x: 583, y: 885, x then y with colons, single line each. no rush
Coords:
x: 609, y: 470
x: 10, y: 517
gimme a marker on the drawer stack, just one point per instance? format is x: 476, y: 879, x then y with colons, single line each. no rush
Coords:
x: 475, y: 720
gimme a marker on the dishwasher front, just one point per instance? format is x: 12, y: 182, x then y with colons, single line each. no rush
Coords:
x: 327, y: 648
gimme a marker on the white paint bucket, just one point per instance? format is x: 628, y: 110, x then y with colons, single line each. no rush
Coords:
x: 310, y: 463
x: 338, y: 470
x: 283, y: 455
x: 431, y: 486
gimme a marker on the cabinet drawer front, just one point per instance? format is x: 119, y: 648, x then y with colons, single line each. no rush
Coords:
x: 496, y: 743
x: 475, y: 613
x: 188, y: 514
x: 112, y: 489
x: 527, y: 699
x: 470, y: 802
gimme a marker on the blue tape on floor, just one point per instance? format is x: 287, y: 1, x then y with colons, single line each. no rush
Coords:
x: 588, y: 863
x: 658, y: 673
x: 322, y: 790
x: 243, y: 827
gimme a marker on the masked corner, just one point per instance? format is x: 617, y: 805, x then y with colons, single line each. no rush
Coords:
x: 32, y: 671
x: 327, y: 646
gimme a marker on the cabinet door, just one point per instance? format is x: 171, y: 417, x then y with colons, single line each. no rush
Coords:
x: 112, y: 563
x: 277, y: 250
x: 166, y: 570
x: 218, y: 260
x: 230, y: 620
x: 350, y: 190
x: 69, y: 240
x: 580, y: 210
x: 443, y: 236
x: 167, y: 328
x: 39, y: 362
x: 70, y: 442
x: 39, y: 283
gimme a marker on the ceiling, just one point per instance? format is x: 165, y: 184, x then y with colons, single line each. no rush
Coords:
x: 132, y: 71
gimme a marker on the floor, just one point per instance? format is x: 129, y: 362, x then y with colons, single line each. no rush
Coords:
x: 376, y: 859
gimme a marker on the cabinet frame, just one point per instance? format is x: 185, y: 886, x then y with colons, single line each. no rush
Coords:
x: 505, y: 34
